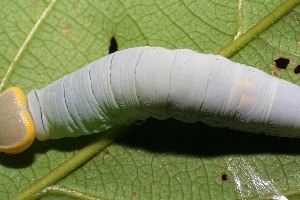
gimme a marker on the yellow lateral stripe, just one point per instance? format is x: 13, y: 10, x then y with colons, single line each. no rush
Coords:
x: 29, y: 124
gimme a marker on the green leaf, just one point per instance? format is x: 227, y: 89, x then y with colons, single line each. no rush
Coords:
x: 44, y: 40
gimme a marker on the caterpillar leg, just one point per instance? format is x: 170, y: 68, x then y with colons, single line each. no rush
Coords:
x: 17, y: 130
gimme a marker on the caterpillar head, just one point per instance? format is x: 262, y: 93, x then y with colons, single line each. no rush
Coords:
x: 17, y: 130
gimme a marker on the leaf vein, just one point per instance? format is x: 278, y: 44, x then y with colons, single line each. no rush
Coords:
x: 26, y: 42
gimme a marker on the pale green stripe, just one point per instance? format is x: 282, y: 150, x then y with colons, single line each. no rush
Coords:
x: 234, y: 46
x: 78, y: 159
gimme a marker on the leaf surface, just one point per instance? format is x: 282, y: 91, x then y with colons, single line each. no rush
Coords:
x: 44, y: 40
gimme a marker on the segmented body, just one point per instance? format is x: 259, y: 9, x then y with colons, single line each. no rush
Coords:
x: 151, y: 81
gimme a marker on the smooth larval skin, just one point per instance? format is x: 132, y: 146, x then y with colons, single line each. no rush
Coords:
x: 146, y: 81
x: 150, y: 81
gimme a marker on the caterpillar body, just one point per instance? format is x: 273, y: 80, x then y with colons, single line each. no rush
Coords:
x: 151, y: 81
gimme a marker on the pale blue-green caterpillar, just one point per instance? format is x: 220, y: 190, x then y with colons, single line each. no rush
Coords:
x: 151, y: 81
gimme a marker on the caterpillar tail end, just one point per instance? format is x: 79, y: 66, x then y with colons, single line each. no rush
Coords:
x: 17, y: 129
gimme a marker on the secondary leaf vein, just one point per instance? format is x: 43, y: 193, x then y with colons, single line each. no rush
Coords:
x: 25, y: 43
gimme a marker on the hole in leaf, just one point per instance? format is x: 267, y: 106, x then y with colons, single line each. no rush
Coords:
x: 224, y: 177
x: 282, y: 63
x: 113, y: 47
x: 297, y: 69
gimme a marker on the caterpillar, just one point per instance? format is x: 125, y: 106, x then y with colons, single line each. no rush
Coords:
x: 140, y: 82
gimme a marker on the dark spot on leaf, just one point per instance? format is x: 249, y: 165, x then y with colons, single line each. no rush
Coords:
x: 133, y: 195
x: 282, y: 63
x: 113, y: 47
x: 224, y: 177
x: 297, y: 69
x: 106, y: 153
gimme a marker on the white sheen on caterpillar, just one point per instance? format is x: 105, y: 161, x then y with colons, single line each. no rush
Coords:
x: 143, y: 82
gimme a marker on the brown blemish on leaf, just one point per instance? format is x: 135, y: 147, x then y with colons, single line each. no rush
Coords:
x: 133, y: 195
x: 76, y: 3
x: 275, y: 72
x: 106, y: 153
x: 298, y: 42
x: 66, y: 31
x: 36, y: 2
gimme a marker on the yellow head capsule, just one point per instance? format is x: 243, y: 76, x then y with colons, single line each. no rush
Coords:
x: 17, y: 130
